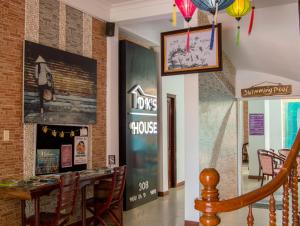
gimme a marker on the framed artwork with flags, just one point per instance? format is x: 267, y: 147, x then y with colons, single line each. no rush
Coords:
x: 200, y: 57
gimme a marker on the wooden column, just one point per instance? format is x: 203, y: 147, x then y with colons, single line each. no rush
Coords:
x: 210, y: 178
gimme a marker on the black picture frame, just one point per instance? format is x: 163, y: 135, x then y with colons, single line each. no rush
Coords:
x: 180, y: 49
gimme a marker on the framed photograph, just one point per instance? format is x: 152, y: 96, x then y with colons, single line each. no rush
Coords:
x: 59, y: 87
x: 176, y: 60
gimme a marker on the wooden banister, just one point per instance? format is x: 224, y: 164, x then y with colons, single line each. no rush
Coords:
x: 210, y: 205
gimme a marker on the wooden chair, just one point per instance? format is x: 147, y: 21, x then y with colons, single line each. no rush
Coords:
x: 66, y: 197
x: 269, y: 163
x: 108, y: 197
x: 284, y: 152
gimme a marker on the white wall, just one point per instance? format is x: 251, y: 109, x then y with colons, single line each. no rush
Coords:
x: 191, y: 145
x: 246, y: 79
x: 275, y: 119
x: 112, y: 97
x: 255, y: 142
x: 273, y: 130
x: 172, y: 85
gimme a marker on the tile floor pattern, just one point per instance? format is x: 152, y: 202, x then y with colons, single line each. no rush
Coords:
x: 166, y: 211
x: 169, y: 210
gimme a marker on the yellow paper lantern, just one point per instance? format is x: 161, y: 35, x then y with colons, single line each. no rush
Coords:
x: 238, y: 9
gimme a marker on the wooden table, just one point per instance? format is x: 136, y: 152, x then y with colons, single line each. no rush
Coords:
x: 37, y: 189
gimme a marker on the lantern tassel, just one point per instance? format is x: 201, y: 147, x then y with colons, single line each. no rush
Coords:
x: 299, y: 13
x: 216, y: 13
x: 238, y: 34
x: 212, y: 38
x: 252, y: 20
x: 188, y: 41
x: 174, y: 16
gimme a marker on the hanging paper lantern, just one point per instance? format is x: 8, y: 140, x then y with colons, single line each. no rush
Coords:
x: 252, y: 18
x: 213, y: 6
x: 187, y: 9
x: 45, y: 129
x: 239, y: 9
x: 54, y: 133
x: 72, y: 133
x: 62, y: 134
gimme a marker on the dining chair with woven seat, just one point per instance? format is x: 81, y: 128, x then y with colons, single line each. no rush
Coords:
x: 108, y: 196
x: 269, y: 164
x: 284, y: 152
x: 66, y: 197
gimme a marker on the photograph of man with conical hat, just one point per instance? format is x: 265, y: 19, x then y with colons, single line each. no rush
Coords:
x: 59, y: 87
x: 45, y: 82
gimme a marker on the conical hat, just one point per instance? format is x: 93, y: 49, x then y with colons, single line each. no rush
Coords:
x: 40, y: 60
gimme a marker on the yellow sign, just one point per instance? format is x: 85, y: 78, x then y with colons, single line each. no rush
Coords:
x: 261, y: 91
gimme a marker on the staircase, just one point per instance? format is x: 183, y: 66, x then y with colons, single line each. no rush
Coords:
x: 210, y: 205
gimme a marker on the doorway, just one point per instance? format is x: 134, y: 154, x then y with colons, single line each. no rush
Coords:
x: 265, y: 124
x: 171, y: 114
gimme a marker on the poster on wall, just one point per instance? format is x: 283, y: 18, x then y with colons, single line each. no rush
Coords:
x: 66, y: 156
x: 256, y: 124
x: 138, y: 123
x: 59, y: 87
x: 47, y: 161
x: 80, y: 152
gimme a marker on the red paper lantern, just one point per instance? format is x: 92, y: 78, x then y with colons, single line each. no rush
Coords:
x: 187, y: 8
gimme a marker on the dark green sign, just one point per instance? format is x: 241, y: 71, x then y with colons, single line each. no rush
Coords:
x: 138, y: 123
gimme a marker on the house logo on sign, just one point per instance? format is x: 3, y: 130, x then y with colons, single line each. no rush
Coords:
x: 141, y: 100
x: 142, y: 104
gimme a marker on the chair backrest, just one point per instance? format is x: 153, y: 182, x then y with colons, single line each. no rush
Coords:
x: 110, y: 190
x: 266, y: 163
x: 66, y: 198
x: 120, y: 183
x: 284, y: 152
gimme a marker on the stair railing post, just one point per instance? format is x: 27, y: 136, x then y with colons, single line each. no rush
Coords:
x: 209, y: 178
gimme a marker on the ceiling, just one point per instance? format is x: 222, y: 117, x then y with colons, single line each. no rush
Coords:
x: 273, y: 47
x: 259, y: 3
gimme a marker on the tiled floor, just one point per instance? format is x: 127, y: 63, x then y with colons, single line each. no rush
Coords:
x: 166, y: 211
x: 169, y: 210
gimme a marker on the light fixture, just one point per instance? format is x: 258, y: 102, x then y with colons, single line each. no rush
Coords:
x: 187, y: 9
x: 239, y: 9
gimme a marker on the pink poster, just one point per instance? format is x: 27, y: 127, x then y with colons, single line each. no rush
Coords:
x: 66, y: 156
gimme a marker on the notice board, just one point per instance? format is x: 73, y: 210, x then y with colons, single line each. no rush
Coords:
x: 61, y: 149
x: 138, y: 123
x: 257, y: 124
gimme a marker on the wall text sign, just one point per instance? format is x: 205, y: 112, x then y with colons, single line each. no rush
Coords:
x: 261, y: 91
x: 138, y: 123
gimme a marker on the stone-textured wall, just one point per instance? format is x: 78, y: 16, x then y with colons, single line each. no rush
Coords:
x: 11, y: 78
x: 218, y: 123
x: 51, y: 23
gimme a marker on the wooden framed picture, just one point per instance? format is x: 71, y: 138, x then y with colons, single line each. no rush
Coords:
x: 176, y: 60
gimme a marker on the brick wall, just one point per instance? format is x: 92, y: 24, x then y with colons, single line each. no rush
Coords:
x: 99, y: 129
x: 55, y: 33
x: 11, y: 77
